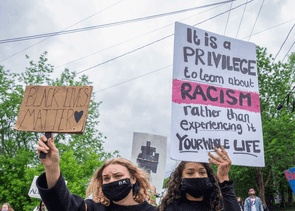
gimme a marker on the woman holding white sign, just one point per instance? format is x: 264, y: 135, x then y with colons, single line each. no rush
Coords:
x: 117, y: 185
x: 194, y: 186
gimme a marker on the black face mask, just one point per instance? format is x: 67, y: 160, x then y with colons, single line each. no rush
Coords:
x: 118, y: 190
x: 197, y: 187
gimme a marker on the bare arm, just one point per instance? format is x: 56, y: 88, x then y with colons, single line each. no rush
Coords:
x: 52, y: 175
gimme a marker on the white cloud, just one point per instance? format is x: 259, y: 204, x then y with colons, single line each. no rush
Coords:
x: 142, y: 105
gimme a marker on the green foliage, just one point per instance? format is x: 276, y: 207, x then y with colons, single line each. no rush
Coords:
x: 16, y: 179
x: 275, y: 81
x: 81, y: 155
x: 154, y: 198
x: 72, y: 169
x: 165, y: 181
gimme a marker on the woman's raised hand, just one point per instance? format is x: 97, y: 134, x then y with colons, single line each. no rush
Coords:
x: 52, y: 154
x: 223, y: 162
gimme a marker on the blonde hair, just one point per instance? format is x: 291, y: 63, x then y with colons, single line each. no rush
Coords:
x: 95, y: 186
x: 8, y: 205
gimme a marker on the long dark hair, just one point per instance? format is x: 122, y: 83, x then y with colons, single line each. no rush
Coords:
x: 174, y: 188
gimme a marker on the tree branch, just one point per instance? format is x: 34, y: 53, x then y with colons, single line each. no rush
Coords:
x: 26, y: 143
x: 37, y: 138
x: 267, y: 179
x: 2, y: 131
x: 8, y: 129
x: 257, y: 186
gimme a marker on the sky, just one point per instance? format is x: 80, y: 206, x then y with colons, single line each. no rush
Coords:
x: 130, y: 64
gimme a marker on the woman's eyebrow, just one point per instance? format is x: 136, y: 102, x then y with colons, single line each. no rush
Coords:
x: 112, y: 173
x: 116, y: 173
x: 192, y: 169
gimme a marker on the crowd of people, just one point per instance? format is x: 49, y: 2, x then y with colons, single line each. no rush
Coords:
x: 120, y: 185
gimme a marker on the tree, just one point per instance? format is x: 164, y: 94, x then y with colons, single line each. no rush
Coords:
x: 81, y: 155
x: 275, y: 81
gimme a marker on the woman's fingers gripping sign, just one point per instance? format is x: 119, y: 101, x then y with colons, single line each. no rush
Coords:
x: 52, y: 153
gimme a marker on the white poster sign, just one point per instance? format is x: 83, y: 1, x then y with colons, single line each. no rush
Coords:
x: 149, y: 153
x: 215, y: 99
x: 34, y: 192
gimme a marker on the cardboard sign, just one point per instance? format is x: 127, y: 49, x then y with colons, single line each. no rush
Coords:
x: 58, y: 109
x: 215, y: 99
x: 34, y: 192
x: 290, y: 175
x: 149, y: 153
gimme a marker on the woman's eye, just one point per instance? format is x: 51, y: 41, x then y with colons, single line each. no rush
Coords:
x: 106, y: 179
x: 203, y: 173
x: 118, y: 176
x: 190, y: 173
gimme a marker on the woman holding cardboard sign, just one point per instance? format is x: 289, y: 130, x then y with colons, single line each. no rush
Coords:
x: 117, y: 185
x: 194, y: 186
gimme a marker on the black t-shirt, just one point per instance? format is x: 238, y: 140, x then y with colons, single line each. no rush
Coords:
x: 230, y: 202
x: 59, y: 198
x: 185, y: 205
x: 92, y: 206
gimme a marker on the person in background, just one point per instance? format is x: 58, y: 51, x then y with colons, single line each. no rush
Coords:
x: 240, y: 201
x: 265, y: 208
x: 117, y: 185
x: 194, y: 186
x: 42, y: 207
x: 253, y: 203
x: 6, y: 207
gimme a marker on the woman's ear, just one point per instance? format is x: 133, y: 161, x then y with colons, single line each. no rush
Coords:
x: 133, y: 180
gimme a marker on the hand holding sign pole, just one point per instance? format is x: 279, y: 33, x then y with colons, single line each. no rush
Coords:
x: 48, y: 136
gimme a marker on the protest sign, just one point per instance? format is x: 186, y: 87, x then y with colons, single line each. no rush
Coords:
x: 34, y: 192
x: 290, y: 175
x: 149, y: 153
x: 58, y: 109
x: 215, y: 99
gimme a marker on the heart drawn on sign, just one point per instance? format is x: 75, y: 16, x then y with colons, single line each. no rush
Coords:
x: 78, y: 115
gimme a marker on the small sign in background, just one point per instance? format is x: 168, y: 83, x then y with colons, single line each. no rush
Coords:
x: 290, y: 175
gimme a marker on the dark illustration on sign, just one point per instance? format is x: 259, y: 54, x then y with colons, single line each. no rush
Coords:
x: 78, y: 115
x: 148, y: 159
